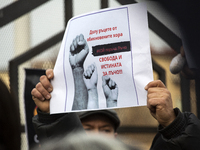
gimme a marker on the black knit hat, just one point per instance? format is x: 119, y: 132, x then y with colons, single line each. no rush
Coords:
x: 109, y: 113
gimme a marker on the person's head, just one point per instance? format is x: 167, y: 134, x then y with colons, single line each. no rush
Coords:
x: 9, y: 120
x: 100, y: 121
x: 81, y: 141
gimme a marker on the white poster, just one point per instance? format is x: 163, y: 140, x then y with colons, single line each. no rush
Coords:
x: 104, y: 61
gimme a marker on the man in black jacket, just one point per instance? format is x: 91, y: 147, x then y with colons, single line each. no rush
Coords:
x: 176, y: 130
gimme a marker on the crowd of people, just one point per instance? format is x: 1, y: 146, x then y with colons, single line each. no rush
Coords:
x: 176, y: 130
x: 98, y: 129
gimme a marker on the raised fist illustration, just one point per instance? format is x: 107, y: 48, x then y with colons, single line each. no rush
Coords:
x: 90, y: 77
x: 110, y: 89
x: 78, y: 51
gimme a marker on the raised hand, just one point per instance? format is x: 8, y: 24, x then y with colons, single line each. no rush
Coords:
x: 110, y: 89
x: 41, y: 93
x: 78, y: 51
x: 159, y: 102
x: 90, y: 77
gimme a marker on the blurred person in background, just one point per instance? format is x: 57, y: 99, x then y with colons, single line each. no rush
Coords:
x: 9, y: 121
x: 81, y: 141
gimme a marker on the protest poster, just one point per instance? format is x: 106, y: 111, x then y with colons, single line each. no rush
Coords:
x: 104, y: 61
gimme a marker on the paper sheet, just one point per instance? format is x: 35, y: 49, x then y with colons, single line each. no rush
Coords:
x: 104, y: 61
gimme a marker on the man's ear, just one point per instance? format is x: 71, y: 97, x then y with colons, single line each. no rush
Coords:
x: 115, y: 134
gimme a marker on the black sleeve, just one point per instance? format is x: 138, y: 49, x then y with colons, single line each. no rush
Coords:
x: 53, y: 126
x: 182, y: 134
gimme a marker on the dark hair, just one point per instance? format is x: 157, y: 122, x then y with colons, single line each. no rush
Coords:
x: 9, y: 120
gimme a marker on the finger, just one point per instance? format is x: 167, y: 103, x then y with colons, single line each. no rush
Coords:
x: 156, y: 83
x: 152, y: 95
x: 152, y: 102
x: 82, y: 43
x: 81, y: 40
x: 90, y: 69
x: 86, y: 74
x: 93, y: 67
x: 152, y: 108
x: 49, y: 73
x: 37, y: 94
x: 153, y: 111
x: 105, y: 79
x: 156, y: 90
x: 72, y: 48
x: 77, y: 39
x: 110, y: 83
x: 155, y: 100
x: 43, y: 91
x: 152, y: 105
x: 75, y: 43
x: 81, y: 37
x: 113, y: 83
x: 42, y: 105
x: 46, y: 83
x: 158, y: 93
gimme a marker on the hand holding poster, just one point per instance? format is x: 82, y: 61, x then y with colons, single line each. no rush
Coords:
x: 104, y: 61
